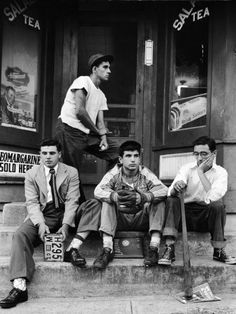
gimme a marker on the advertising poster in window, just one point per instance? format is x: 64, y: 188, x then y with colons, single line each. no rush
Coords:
x: 188, y: 105
x: 19, y: 72
x: 188, y: 112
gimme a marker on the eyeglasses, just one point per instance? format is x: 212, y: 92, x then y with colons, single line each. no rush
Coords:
x: 202, y: 154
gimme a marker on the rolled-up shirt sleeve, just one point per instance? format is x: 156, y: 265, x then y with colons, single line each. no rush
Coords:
x: 182, y: 175
x: 218, y: 188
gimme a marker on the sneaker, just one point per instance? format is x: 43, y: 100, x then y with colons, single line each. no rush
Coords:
x: 14, y: 297
x: 152, y: 257
x: 168, y: 256
x: 221, y: 256
x: 104, y: 258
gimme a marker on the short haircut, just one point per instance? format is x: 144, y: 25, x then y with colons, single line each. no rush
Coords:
x: 205, y: 140
x: 129, y: 146
x: 10, y: 88
x: 50, y: 142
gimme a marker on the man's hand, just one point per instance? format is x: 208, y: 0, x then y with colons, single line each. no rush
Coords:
x: 179, y: 186
x: 103, y: 144
x: 43, y: 229
x: 64, y: 230
x: 128, y: 198
x: 206, y: 164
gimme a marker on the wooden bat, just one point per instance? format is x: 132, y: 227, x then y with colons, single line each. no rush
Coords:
x: 186, y: 257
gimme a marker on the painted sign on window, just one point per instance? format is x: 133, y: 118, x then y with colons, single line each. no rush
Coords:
x: 15, y: 164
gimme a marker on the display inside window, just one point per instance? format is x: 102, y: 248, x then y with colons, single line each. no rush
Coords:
x: 20, y: 71
x: 188, y: 107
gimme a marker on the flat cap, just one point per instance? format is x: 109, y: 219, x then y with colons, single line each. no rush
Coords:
x: 98, y: 58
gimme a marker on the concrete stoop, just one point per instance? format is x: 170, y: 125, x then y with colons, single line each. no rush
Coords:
x: 158, y: 304
x: 121, y: 278
x: 199, y: 243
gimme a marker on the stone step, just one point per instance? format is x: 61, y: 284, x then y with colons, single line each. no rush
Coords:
x: 121, y: 278
x: 153, y: 304
x: 199, y: 243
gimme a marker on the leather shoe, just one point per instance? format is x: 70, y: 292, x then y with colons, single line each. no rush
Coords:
x: 74, y: 258
x: 14, y: 297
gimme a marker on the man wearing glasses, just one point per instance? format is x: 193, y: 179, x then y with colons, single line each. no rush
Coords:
x: 203, y: 184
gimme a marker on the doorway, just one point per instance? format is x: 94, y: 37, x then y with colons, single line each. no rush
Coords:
x: 120, y: 40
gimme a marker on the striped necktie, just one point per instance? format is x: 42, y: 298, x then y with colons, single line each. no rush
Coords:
x: 52, y: 183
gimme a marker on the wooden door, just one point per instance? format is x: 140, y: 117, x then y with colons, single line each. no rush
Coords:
x: 118, y: 38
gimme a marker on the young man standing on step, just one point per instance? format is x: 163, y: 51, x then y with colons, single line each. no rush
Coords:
x: 81, y: 127
x: 203, y: 184
x: 52, y: 201
x: 129, y: 197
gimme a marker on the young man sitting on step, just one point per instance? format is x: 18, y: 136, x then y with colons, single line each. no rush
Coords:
x: 129, y: 197
x: 52, y: 202
x: 203, y: 184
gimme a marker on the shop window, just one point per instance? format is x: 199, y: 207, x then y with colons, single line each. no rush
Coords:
x: 20, y: 64
x: 188, y: 107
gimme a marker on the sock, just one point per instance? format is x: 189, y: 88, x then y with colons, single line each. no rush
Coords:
x: 170, y: 240
x: 107, y: 241
x: 78, y: 240
x: 155, y: 240
x: 20, y: 283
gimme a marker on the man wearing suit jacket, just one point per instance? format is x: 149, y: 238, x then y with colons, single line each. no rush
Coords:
x: 46, y: 213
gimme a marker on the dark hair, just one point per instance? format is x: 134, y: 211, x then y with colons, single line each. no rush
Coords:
x: 129, y: 146
x: 10, y: 88
x: 205, y: 140
x: 51, y: 142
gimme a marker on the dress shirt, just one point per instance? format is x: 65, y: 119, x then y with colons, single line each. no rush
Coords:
x: 195, y: 192
x: 48, y: 177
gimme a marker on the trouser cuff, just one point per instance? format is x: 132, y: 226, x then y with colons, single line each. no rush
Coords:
x: 218, y: 244
x: 87, y: 228
x: 109, y: 232
x: 170, y: 232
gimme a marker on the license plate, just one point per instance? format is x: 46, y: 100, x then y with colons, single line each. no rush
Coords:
x: 53, y: 248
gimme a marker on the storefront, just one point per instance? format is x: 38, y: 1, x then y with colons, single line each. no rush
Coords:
x: 172, y: 79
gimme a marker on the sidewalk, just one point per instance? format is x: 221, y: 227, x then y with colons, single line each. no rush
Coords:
x: 125, y: 305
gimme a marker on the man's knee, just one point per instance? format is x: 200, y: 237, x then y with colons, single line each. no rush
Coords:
x: 217, y: 207
x: 92, y: 204
x: 19, y: 235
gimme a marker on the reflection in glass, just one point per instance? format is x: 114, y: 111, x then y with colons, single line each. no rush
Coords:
x: 189, y: 96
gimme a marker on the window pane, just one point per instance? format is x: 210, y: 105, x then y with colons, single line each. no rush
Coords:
x: 189, y: 97
x: 20, y: 73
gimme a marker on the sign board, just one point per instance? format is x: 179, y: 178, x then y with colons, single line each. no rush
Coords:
x: 15, y: 164
x: 148, y: 52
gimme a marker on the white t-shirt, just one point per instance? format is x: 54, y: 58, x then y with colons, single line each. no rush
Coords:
x: 95, y: 101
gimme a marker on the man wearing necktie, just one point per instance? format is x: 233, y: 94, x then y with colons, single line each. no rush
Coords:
x: 52, y: 201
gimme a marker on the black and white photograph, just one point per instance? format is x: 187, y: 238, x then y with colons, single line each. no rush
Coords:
x: 117, y: 148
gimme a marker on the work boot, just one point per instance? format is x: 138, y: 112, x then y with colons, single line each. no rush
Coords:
x: 104, y: 258
x: 152, y: 257
x: 221, y: 256
x: 169, y: 255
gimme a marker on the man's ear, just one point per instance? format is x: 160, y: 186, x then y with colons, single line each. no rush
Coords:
x: 59, y: 155
x: 120, y: 160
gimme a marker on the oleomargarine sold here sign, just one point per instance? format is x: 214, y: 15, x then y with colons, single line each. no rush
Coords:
x: 15, y: 164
